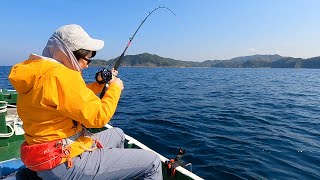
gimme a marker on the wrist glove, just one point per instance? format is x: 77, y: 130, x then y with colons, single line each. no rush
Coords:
x: 103, y: 76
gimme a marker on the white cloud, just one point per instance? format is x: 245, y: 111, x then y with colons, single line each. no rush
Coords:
x: 252, y: 50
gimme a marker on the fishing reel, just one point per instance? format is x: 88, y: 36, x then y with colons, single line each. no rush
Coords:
x: 104, y: 76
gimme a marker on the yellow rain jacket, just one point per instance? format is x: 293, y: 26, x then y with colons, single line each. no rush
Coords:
x: 51, y: 96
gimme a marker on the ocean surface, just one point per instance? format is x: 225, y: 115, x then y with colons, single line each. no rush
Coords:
x: 233, y: 123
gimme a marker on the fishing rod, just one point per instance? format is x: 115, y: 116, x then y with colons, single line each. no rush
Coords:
x: 105, y: 75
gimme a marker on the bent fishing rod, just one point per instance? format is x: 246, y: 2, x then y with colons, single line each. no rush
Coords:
x: 105, y: 75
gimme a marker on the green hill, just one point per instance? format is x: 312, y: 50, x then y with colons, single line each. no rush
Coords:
x: 148, y: 60
x: 255, y: 61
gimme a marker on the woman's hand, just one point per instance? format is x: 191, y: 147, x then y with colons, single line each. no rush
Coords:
x: 117, y: 81
x: 114, y: 72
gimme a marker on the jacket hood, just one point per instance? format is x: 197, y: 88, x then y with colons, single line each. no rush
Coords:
x: 57, y: 49
x: 24, y: 75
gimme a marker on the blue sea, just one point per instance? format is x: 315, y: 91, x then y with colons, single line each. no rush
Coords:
x: 233, y: 123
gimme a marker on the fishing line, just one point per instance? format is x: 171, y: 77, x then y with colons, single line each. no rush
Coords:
x: 107, y: 72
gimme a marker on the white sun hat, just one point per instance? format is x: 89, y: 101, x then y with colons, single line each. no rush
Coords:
x: 76, y: 38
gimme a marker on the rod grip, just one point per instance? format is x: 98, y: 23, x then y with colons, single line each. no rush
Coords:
x: 103, y: 92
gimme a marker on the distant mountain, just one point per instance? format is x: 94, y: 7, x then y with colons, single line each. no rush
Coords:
x: 248, y: 61
x: 313, y: 63
x: 288, y: 62
x: 255, y: 61
x: 148, y: 60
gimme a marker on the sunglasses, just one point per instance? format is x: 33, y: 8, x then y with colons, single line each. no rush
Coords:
x: 87, y: 59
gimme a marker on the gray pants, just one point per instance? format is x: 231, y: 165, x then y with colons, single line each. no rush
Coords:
x: 110, y: 162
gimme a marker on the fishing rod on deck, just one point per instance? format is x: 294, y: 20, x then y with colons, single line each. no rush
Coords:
x: 105, y: 75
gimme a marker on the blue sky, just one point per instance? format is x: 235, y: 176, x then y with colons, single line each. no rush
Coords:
x: 202, y: 30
